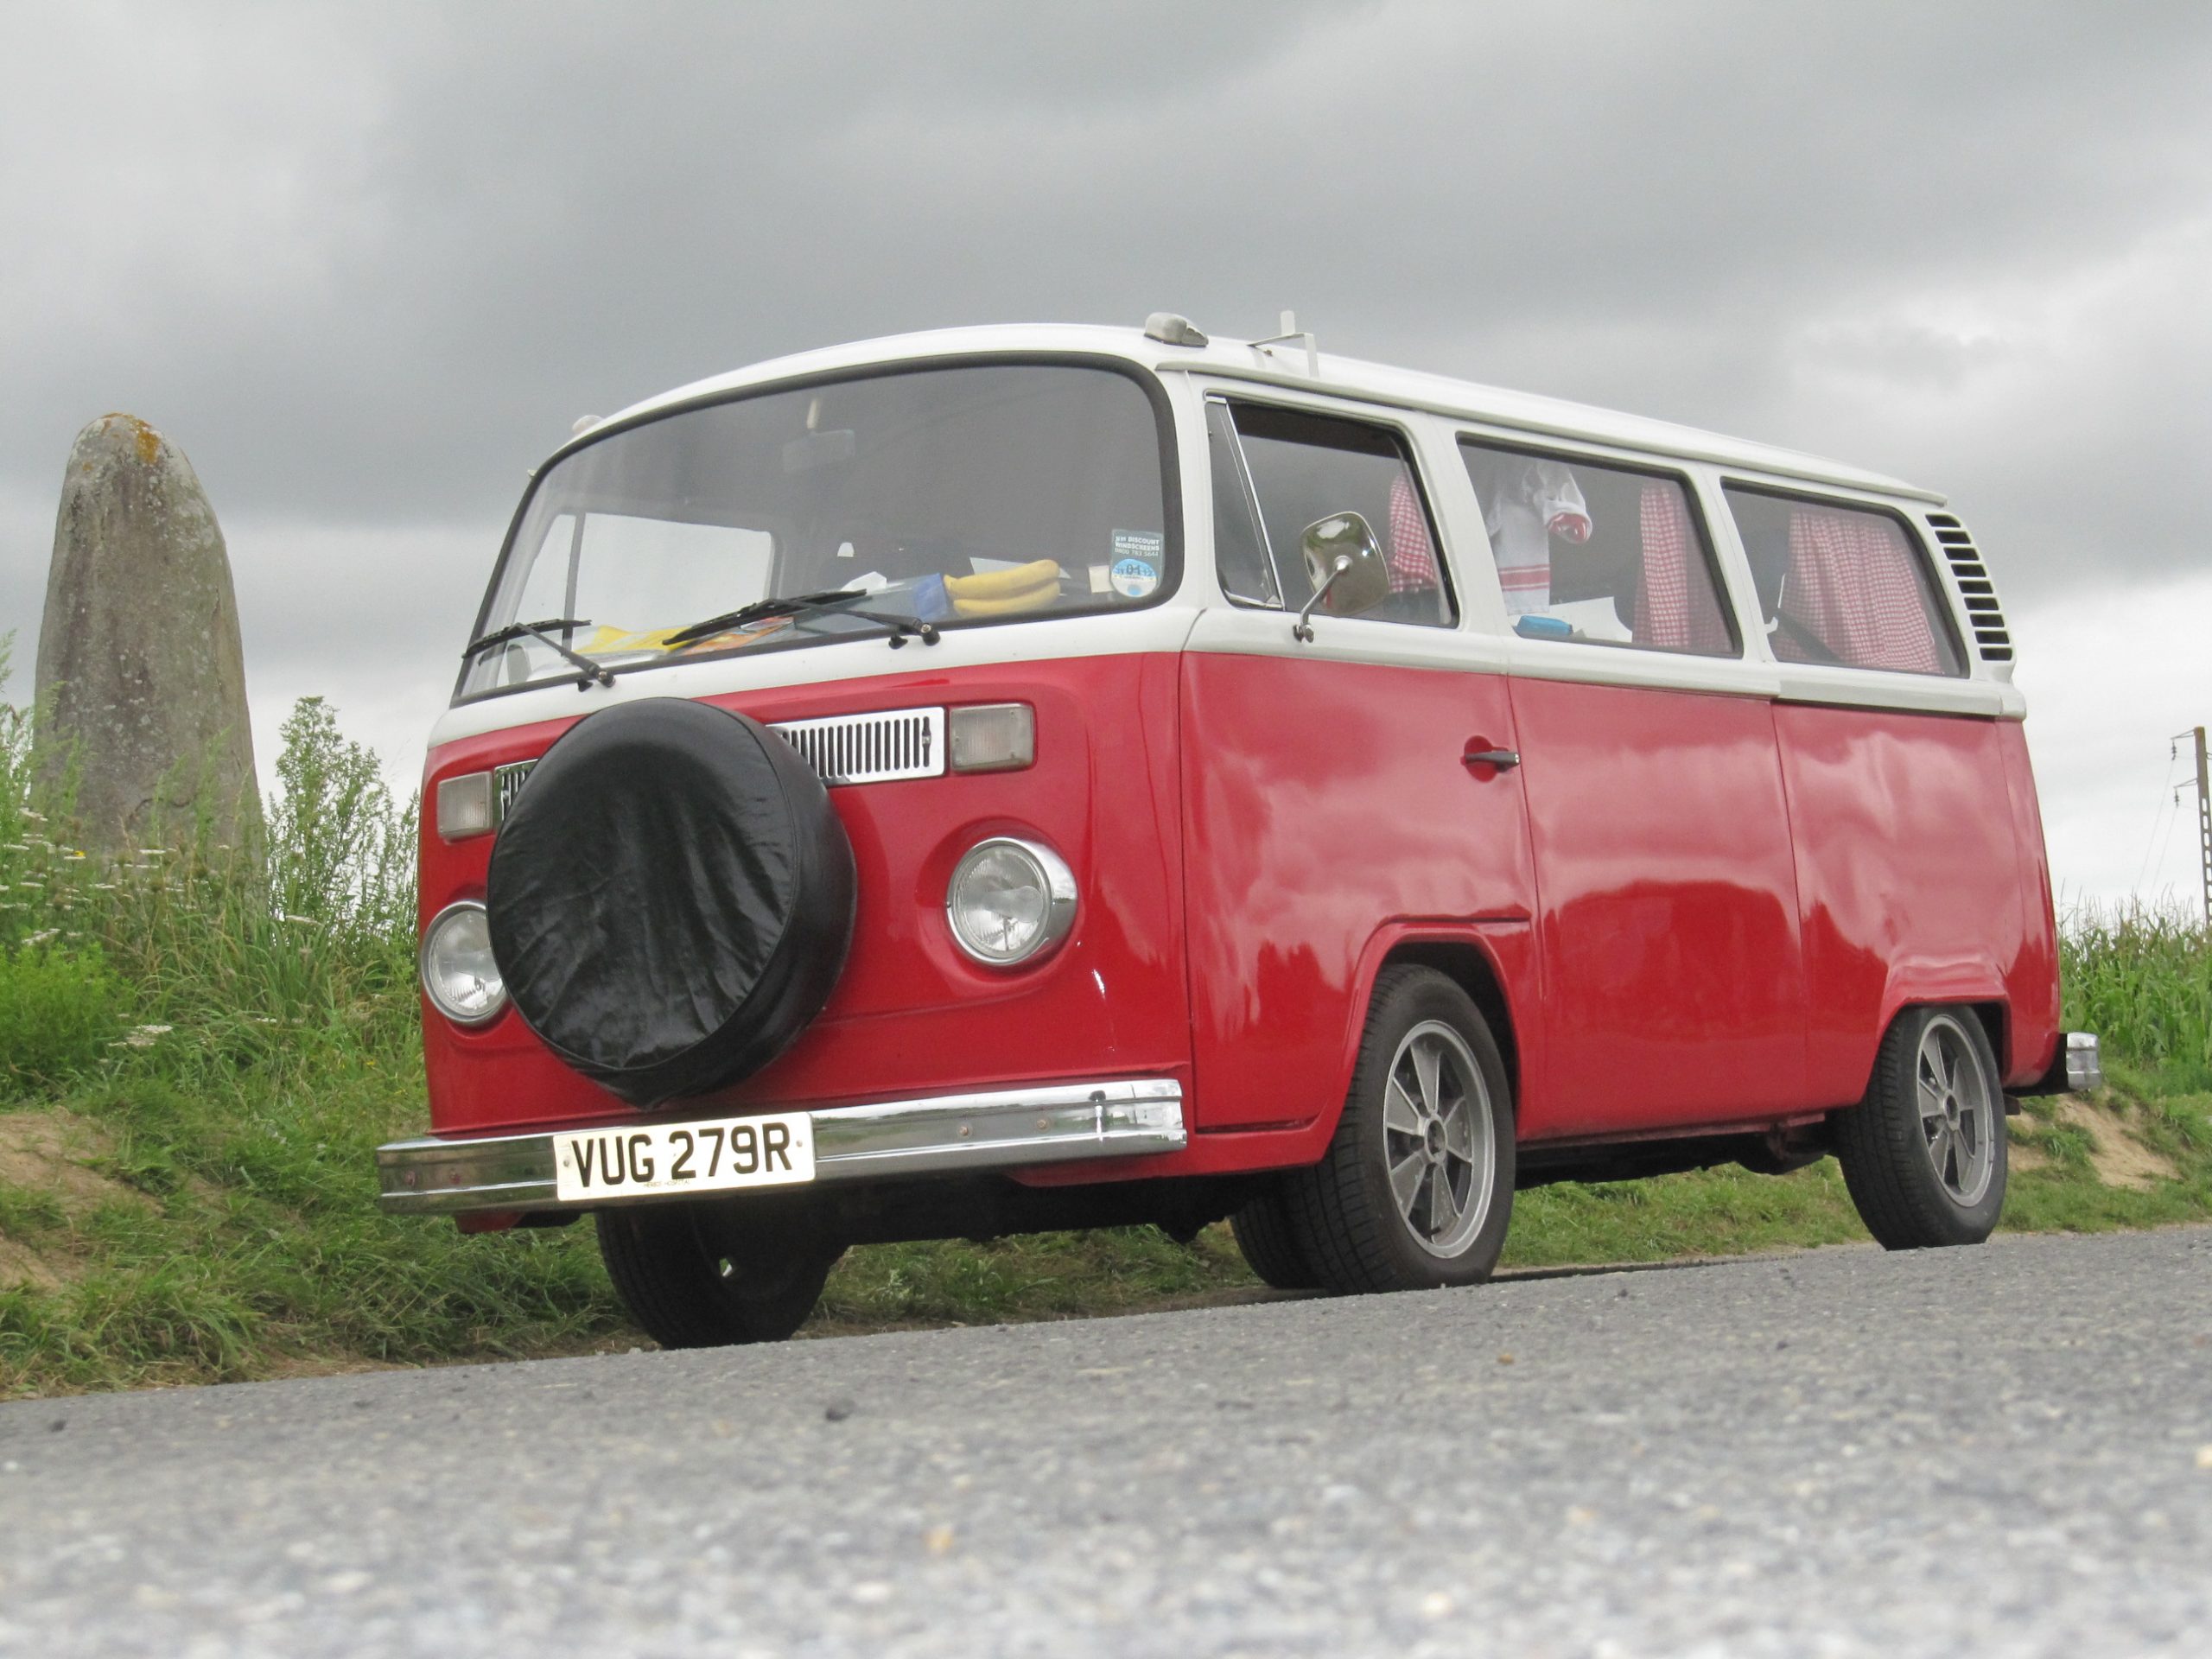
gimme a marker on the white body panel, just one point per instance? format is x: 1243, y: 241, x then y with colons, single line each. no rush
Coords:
x: 1433, y: 413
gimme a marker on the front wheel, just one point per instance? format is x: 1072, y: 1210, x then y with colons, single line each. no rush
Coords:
x: 1268, y: 1235
x: 1924, y: 1154
x: 695, y: 1276
x: 1417, y: 1187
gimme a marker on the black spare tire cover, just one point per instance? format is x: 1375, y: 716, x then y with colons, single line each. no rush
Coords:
x: 671, y: 897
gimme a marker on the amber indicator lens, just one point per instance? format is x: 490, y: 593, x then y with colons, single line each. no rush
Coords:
x: 993, y: 737
x: 465, y: 805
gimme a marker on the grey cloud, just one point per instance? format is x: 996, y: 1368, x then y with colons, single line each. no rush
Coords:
x: 365, y: 266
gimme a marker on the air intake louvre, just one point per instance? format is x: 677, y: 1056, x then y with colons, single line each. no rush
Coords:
x: 842, y: 749
x: 1984, y: 615
x: 870, y: 748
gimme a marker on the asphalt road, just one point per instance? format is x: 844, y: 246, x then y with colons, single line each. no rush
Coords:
x: 2006, y: 1450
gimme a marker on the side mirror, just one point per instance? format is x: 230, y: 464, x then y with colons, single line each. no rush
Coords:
x: 1344, y: 562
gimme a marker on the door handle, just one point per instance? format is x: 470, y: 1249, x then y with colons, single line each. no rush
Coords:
x: 1504, y: 759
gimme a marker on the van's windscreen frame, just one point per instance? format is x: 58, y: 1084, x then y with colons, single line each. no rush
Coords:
x: 1173, y: 559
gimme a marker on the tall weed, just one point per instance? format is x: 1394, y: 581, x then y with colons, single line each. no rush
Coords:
x: 2142, y: 979
x: 286, y: 952
x: 58, y: 1013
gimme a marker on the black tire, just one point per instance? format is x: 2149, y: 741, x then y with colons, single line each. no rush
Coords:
x: 1919, y: 1177
x: 1348, y: 1223
x: 671, y: 897
x: 1269, y: 1239
x: 692, y: 1275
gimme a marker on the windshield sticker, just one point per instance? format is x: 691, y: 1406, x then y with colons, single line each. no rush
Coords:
x: 1134, y: 578
x: 1145, y: 544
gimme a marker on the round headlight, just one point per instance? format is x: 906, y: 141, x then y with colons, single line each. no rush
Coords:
x: 459, y: 976
x: 1010, y: 900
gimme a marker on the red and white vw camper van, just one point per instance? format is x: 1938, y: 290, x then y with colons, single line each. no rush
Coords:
x: 1032, y: 777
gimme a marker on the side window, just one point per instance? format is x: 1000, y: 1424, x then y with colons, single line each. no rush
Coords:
x: 1842, y: 585
x: 1304, y: 468
x: 1603, y: 553
x: 1247, y: 575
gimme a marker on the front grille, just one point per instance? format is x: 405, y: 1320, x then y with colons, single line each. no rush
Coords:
x: 842, y: 749
x: 506, y: 784
x: 870, y: 748
x: 1991, y: 638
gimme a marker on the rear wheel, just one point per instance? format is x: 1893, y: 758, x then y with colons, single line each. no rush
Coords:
x: 693, y: 1276
x: 1269, y: 1239
x: 1417, y: 1187
x: 1924, y: 1153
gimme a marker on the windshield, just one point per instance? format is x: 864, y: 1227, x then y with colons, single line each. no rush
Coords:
x: 953, y: 497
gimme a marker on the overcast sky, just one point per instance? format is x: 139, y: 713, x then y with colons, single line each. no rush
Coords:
x: 364, y: 266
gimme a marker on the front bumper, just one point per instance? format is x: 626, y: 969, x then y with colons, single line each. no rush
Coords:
x: 1060, y: 1124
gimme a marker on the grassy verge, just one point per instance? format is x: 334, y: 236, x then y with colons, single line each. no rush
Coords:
x: 222, y: 1236
x: 200, y: 1048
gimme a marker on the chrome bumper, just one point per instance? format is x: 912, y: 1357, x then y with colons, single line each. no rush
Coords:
x: 1065, y: 1123
x: 2085, y: 1066
x: 2077, y: 1067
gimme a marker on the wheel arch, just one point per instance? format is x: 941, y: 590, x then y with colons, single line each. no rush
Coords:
x: 1992, y: 1014
x: 1969, y: 983
x: 1463, y: 956
x: 1466, y: 965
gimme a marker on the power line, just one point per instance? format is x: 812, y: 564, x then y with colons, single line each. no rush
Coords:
x: 2203, y: 821
x: 2167, y: 803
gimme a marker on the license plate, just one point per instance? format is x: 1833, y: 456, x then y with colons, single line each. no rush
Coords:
x: 718, y: 1155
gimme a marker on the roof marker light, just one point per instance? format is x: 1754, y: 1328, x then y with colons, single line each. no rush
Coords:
x: 1170, y: 329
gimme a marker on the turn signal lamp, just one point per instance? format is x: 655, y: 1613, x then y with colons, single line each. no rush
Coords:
x: 465, y: 805
x: 993, y: 737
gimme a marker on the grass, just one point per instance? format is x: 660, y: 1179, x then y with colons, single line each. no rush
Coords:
x: 201, y: 1046
x: 2142, y: 979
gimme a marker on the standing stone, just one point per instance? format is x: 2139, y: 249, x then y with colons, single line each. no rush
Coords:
x: 141, y: 676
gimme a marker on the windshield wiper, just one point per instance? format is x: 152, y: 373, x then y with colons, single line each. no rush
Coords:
x: 799, y: 606
x: 759, y: 610
x: 589, y: 669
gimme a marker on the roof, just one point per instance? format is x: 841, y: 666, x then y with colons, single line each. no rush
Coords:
x: 1285, y: 365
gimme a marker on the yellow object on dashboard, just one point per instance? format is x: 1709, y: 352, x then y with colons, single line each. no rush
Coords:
x: 1001, y: 592
x: 608, y: 641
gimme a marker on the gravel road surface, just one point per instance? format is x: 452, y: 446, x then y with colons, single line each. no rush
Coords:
x: 2000, y: 1451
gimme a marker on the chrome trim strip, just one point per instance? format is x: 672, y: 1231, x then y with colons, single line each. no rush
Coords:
x: 1004, y: 1129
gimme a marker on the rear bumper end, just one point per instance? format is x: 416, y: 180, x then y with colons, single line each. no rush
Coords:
x: 1063, y: 1124
x: 2077, y: 1068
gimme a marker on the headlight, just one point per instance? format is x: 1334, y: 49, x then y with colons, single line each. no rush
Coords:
x: 459, y: 976
x: 1010, y: 900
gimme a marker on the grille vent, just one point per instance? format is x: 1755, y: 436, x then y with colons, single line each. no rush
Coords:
x: 1990, y: 637
x: 842, y: 749
x: 870, y: 748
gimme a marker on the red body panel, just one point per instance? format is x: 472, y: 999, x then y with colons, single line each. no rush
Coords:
x: 1326, y: 805
x: 911, y: 1014
x: 2032, y: 1031
x: 1914, y: 868
x: 1701, y: 910
x: 1674, y: 991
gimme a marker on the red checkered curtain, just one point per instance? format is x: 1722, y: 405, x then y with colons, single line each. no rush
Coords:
x: 1675, y: 609
x: 1852, y: 586
x: 1413, y: 555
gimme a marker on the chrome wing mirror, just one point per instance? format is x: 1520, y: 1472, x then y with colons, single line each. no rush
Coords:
x: 1344, y: 563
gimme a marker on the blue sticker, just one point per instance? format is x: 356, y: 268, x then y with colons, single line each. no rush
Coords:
x: 1133, y: 578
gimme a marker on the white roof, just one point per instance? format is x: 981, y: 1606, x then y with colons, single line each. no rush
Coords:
x: 1285, y: 365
